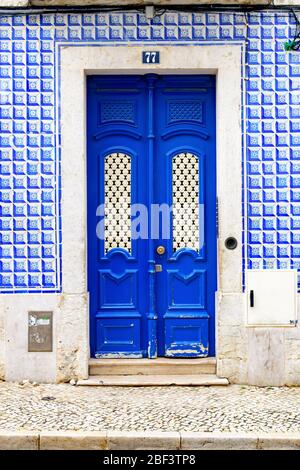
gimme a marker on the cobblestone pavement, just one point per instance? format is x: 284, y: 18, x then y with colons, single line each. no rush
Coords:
x: 66, y: 407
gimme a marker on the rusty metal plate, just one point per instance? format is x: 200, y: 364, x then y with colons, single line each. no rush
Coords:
x: 40, y: 331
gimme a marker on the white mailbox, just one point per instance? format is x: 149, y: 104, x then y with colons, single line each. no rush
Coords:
x: 271, y: 297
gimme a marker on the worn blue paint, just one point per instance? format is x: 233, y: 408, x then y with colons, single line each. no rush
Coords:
x: 135, y: 311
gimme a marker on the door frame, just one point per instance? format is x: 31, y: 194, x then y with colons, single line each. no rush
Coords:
x: 224, y: 61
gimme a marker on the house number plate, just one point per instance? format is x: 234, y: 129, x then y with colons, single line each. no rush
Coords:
x: 150, y: 57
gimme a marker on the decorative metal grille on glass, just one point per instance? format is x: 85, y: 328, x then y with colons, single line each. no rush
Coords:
x: 117, y: 168
x: 185, y: 169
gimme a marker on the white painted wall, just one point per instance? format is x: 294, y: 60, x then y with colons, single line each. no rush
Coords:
x: 21, y: 364
x: 70, y: 355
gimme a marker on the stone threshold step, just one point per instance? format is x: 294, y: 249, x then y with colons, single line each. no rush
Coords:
x: 159, y: 366
x: 153, y: 380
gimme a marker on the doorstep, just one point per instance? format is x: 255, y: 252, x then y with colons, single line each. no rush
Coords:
x: 158, y: 366
x: 153, y: 380
x: 144, y: 372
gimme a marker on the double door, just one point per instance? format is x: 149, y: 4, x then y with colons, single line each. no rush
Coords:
x: 151, y: 215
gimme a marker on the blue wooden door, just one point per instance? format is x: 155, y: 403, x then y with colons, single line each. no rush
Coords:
x: 151, y: 215
x: 185, y: 177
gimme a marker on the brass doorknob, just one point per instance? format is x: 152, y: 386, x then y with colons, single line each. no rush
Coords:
x: 160, y: 250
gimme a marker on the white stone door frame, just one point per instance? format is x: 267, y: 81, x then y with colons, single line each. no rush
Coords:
x: 225, y: 61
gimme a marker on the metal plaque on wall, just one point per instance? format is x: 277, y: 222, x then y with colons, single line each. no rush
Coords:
x: 40, y: 331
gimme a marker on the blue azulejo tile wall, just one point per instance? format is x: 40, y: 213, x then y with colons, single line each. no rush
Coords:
x: 30, y: 226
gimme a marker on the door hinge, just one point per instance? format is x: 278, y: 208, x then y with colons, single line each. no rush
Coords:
x: 217, y: 216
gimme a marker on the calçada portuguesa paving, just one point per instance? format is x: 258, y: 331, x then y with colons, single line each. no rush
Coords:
x: 63, y: 407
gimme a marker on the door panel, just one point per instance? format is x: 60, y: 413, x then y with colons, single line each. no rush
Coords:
x: 151, y: 140
x: 117, y: 264
x: 185, y: 169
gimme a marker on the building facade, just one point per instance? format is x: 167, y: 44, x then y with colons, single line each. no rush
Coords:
x: 89, y: 102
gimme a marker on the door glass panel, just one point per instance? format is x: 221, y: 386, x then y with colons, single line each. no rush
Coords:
x: 117, y: 169
x: 185, y: 191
